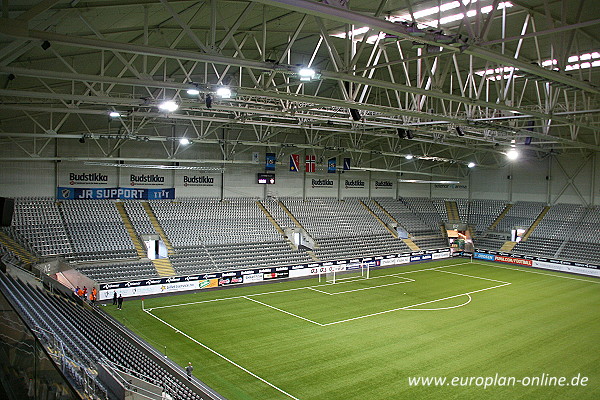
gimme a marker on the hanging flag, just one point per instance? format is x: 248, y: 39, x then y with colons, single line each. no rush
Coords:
x: 255, y: 158
x: 294, y: 162
x: 270, y: 162
x: 311, y: 163
x: 346, y: 164
x: 331, y: 164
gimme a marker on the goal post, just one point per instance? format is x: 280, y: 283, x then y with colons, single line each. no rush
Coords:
x: 342, y: 273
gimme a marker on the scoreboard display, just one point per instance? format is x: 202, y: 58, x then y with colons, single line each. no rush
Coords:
x: 266, y: 179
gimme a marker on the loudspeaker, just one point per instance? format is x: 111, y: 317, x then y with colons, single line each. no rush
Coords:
x: 401, y: 133
x: 409, y: 134
x: 459, y: 131
x: 355, y: 114
x: 528, y: 140
x: 7, y: 207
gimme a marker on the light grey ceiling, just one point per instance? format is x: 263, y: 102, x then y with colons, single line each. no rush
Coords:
x: 129, y: 55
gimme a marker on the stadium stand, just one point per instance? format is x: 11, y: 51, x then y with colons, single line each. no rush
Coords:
x: 582, y: 240
x: 212, y: 235
x: 96, y: 231
x: 39, y: 222
x: 482, y: 213
x: 139, y: 218
x: 343, y: 229
x: 90, y: 338
x: 119, y: 271
x: 521, y: 214
x: 420, y: 218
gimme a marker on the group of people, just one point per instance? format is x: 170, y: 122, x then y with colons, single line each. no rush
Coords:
x: 118, y: 301
x: 82, y: 293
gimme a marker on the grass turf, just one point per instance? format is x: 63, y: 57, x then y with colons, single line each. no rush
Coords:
x: 364, y: 339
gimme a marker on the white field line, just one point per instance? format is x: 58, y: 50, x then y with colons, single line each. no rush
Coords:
x: 441, y: 308
x: 283, y: 311
x: 471, y: 276
x: 317, y: 290
x: 413, y: 305
x: 408, y: 280
x: 542, y: 273
x: 222, y: 356
x: 300, y: 288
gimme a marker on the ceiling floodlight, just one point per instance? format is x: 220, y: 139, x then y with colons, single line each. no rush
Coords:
x: 306, y: 74
x: 114, y: 114
x: 184, y: 141
x: 193, y: 91
x: 471, y: 164
x: 168, y: 106
x: 512, y: 154
x: 224, y: 93
x: 409, y: 156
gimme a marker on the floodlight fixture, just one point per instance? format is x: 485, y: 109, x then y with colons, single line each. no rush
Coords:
x: 471, y: 164
x: 184, y: 141
x: 168, y: 106
x: 114, y: 114
x: 512, y: 154
x: 306, y: 74
x: 224, y: 92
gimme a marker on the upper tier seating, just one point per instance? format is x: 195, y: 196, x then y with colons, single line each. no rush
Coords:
x: 197, y: 222
x: 521, y: 214
x: 327, y: 217
x: 583, y: 241
x: 96, y: 230
x: 38, y: 221
x: 482, y: 213
x: 554, y: 229
x: 138, y: 217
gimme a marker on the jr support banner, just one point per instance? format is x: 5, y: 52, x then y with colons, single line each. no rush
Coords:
x: 71, y: 193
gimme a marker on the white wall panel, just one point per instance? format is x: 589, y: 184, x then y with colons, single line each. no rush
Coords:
x: 529, y: 182
x: 28, y: 179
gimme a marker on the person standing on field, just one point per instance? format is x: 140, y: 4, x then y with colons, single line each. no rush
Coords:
x: 120, y: 301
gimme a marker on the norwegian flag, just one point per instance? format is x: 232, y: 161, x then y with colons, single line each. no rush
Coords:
x: 294, y: 162
x: 311, y: 163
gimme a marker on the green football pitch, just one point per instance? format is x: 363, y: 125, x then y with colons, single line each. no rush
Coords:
x: 490, y: 330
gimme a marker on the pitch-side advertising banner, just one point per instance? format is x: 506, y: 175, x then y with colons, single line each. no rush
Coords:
x: 204, y: 281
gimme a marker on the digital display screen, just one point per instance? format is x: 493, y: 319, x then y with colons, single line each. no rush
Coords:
x: 266, y: 179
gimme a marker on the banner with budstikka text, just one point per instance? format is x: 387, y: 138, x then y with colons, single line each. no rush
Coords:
x: 122, y: 193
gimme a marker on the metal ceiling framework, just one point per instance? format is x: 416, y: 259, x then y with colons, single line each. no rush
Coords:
x: 65, y: 64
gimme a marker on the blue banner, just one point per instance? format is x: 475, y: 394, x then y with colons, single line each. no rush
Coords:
x: 483, y: 256
x: 331, y: 164
x: 71, y: 193
x: 270, y: 162
x: 346, y: 164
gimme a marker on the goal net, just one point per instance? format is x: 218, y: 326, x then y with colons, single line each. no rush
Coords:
x: 342, y: 273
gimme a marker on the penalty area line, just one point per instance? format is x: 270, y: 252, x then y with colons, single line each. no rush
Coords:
x: 441, y: 308
x: 413, y: 305
x: 283, y: 311
x: 222, y: 356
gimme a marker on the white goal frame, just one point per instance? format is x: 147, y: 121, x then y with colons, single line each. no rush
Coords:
x: 335, y: 274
